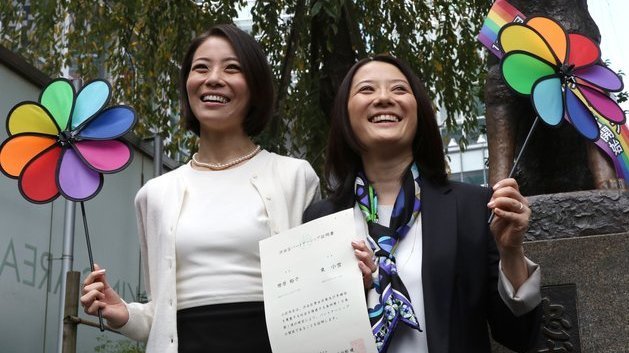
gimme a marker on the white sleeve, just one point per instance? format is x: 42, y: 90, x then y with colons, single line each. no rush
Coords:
x: 312, y: 181
x: 528, y: 295
x: 140, y: 314
x: 140, y: 321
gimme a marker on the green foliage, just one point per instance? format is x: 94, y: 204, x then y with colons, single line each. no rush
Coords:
x: 106, y: 345
x: 437, y: 38
x: 138, y: 45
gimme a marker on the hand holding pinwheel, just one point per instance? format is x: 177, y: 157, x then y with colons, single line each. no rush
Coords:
x: 98, y: 297
x: 65, y: 142
x: 508, y: 228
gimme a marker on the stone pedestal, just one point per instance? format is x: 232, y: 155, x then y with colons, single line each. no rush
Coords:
x: 581, y: 241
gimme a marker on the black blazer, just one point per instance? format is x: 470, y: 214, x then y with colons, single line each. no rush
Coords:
x: 460, y: 273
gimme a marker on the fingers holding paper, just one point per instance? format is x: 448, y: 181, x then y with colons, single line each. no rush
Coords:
x: 366, y: 262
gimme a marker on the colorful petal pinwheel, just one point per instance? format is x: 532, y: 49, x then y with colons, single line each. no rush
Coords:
x: 561, y: 74
x: 65, y: 142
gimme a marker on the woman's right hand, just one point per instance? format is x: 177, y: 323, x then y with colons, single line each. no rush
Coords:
x: 366, y: 262
x: 97, y: 294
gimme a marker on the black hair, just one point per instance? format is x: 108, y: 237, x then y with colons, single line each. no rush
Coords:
x: 255, y: 68
x: 343, y: 160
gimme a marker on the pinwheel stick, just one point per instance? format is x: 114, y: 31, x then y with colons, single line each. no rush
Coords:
x: 89, y: 254
x: 517, y: 159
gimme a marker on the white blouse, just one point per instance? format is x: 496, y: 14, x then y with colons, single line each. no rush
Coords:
x: 221, y: 222
x: 409, y: 264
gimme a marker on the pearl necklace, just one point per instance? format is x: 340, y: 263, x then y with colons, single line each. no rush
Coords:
x: 221, y: 166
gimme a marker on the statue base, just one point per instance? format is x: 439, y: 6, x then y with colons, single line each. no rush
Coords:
x: 581, y: 241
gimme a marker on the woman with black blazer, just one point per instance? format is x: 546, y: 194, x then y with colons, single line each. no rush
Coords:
x: 441, y: 273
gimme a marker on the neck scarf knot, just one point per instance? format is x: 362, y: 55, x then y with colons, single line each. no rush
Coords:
x: 394, y: 304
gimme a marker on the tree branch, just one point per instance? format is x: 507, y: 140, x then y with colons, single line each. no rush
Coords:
x: 354, y: 32
x: 289, y: 57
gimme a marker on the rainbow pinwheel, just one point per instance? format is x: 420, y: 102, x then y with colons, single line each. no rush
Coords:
x: 559, y: 71
x: 65, y: 142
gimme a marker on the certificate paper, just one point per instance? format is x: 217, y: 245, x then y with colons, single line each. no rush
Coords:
x: 314, y: 299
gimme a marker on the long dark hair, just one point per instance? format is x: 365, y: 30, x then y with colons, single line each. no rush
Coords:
x: 255, y: 68
x: 343, y: 160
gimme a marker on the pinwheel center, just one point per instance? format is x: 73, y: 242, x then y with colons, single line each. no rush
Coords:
x: 66, y: 137
x: 567, y: 74
x: 566, y: 70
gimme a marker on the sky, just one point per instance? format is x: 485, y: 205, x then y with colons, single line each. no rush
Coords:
x: 611, y: 18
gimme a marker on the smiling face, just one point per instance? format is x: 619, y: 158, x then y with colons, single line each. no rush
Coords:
x: 382, y: 108
x: 217, y: 89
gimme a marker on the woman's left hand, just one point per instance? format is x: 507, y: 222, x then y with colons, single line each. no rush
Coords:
x: 511, y: 220
x: 365, y: 262
x: 512, y: 215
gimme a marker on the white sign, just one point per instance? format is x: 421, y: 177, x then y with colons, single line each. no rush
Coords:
x: 313, y: 291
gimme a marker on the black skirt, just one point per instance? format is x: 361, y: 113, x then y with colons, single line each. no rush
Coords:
x: 224, y: 328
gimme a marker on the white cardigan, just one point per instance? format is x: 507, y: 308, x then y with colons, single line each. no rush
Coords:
x: 286, y: 186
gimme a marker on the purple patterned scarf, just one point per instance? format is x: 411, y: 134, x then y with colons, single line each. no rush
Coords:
x: 394, y: 304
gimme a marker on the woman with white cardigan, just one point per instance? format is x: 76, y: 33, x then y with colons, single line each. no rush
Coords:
x: 200, y: 224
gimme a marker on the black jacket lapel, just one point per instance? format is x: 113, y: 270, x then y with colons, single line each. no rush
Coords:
x: 439, y: 234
